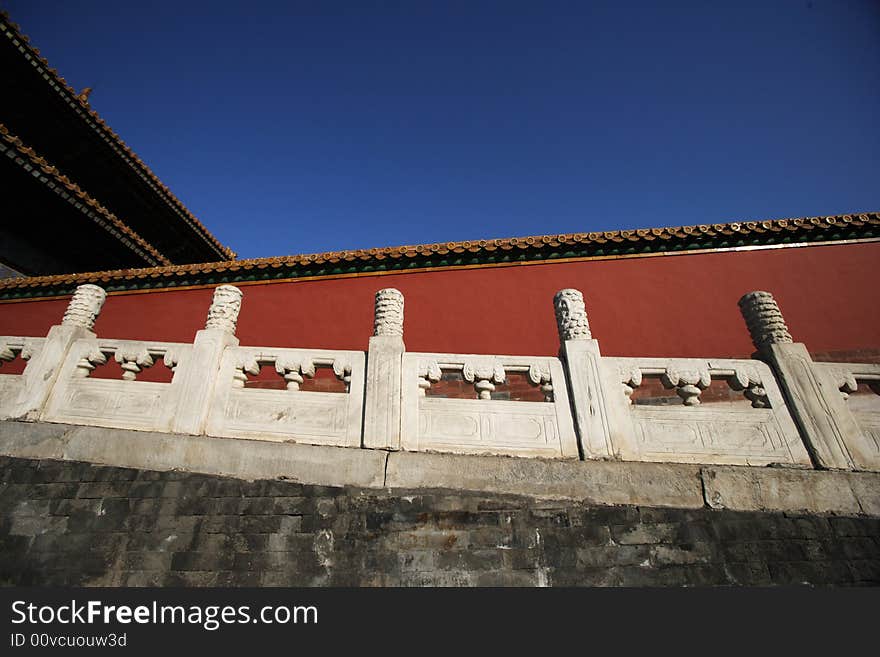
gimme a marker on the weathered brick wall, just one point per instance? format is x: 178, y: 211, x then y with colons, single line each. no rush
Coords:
x: 77, y: 524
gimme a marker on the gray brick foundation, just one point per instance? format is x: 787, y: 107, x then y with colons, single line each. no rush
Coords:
x: 71, y: 523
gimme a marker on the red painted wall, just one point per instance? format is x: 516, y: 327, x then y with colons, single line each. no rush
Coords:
x: 682, y: 305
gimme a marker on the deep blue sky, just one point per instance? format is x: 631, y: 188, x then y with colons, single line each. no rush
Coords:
x: 294, y: 127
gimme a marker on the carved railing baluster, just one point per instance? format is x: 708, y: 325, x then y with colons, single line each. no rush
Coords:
x: 171, y: 359
x: 484, y: 374
x: 132, y: 358
x: 845, y: 382
x: 630, y: 379
x: 540, y: 376
x: 6, y: 353
x: 342, y: 370
x: 429, y: 372
x: 244, y: 367
x: 688, y: 382
x: 90, y: 359
x: 31, y: 348
x: 294, y: 369
x: 747, y: 380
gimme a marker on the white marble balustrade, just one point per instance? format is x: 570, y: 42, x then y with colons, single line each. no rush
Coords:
x: 785, y: 409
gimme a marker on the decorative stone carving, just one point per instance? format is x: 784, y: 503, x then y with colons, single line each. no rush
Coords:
x: 6, y: 354
x: 171, y: 359
x: 484, y: 374
x: 540, y: 376
x: 631, y: 378
x: 764, y: 320
x: 388, y: 312
x: 84, y: 307
x: 314, y: 417
x: 91, y: 358
x: 133, y: 357
x: 429, y: 372
x: 243, y: 367
x: 223, y: 313
x: 293, y: 369
x: 749, y: 381
x: 845, y: 382
x: 687, y: 381
x: 342, y: 370
x: 31, y: 348
x: 571, y: 315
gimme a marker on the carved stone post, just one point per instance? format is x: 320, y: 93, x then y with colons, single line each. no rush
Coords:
x: 591, y: 396
x: 384, y: 362
x: 813, y: 398
x: 42, y: 369
x: 196, y: 375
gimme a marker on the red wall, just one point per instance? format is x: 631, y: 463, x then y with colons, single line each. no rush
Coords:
x: 682, y: 305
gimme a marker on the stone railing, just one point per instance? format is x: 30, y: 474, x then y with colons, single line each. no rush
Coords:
x: 12, y: 385
x: 758, y: 431
x: 483, y: 425
x: 78, y: 398
x: 778, y: 409
x: 316, y: 417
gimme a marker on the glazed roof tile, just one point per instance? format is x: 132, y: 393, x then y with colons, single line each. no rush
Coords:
x: 536, y: 247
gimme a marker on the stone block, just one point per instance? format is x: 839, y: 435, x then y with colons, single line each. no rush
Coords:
x: 777, y: 489
x: 33, y: 440
x: 649, y: 484
x: 246, y: 459
x: 866, y: 488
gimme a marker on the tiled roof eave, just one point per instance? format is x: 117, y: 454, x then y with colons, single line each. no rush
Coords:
x: 726, y: 236
x: 82, y: 108
x: 33, y: 162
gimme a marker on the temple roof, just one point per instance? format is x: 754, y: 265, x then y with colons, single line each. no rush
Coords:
x: 47, y: 116
x: 36, y: 167
x: 498, y: 252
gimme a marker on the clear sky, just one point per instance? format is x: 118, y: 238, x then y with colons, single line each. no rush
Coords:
x: 295, y: 127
